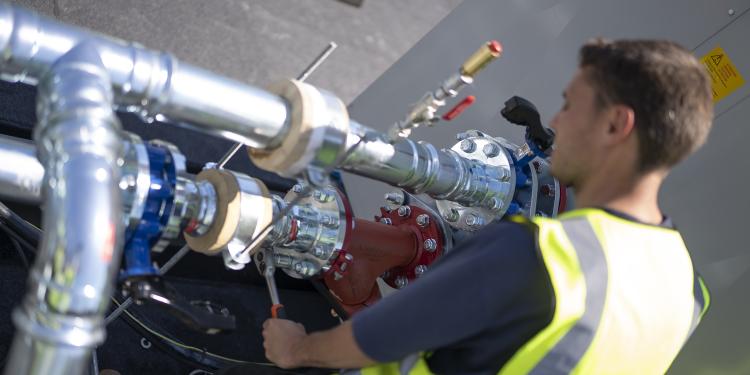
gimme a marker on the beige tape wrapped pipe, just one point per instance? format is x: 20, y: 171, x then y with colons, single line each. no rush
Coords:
x: 229, y: 210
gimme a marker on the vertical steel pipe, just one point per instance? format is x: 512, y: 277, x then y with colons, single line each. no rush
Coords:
x: 61, y: 320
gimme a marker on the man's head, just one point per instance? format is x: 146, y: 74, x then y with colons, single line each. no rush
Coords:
x: 637, y: 104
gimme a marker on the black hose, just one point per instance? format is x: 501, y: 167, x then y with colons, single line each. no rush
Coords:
x: 17, y: 224
x: 16, y: 246
x: 179, y: 354
x: 330, y: 298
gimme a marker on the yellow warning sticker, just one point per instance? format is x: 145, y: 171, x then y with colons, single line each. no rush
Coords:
x: 724, y: 75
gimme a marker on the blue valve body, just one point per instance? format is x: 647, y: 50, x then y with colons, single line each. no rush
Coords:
x: 523, y: 170
x: 157, y: 209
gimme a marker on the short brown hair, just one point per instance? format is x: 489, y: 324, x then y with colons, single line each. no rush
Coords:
x: 666, y: 86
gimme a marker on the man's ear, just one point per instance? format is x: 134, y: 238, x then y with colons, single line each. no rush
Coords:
x: 621, y: 123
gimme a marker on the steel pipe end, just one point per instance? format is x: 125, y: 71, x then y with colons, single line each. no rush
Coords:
x: 243, y: 208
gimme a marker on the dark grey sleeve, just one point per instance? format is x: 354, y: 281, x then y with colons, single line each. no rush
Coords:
x: 465, y: 293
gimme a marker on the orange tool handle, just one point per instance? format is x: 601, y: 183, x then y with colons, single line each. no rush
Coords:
x: 278, y: 311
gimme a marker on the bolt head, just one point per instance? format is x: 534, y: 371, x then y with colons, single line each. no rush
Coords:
x: 491, y: 150
x: 468, y: 146
x: 395, y: 198
x: 305, y: 268
x: 404, y: 211
x: 547, y: 190
x: 430, y: 244
x: 386, y: 221
x: 329, y: 221
x: 730, y: 12
x: 420, y: 270
x: 297, y: 188
x: 323, y: 196
x: 319, y: 252
x: 452, y: 216
x: 423, y: 220
x: 402, y: 282
x: 494, y: 203
x: 505, y: 174
x: 474, y: 220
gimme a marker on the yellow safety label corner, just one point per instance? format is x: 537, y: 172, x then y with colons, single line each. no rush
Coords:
x: 725, y: 78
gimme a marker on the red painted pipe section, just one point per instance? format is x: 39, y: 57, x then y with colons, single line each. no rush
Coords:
x: 376, y: 248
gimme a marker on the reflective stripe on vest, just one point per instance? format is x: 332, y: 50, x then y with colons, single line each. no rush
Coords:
x: 565, y: 355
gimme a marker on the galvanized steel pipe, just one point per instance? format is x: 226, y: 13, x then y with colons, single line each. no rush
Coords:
x: 61, y: 318
x: 415, y: 166
x: 153, y: 84
x: 21, y: 173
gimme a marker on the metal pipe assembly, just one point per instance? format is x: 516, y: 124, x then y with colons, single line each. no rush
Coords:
x: 108, y: 195
x: 442, y: 174
x: 60, y: 320
x: 152, y: 84
x: 21, y: 173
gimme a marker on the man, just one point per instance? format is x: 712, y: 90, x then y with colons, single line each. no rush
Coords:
x: 606, y: 288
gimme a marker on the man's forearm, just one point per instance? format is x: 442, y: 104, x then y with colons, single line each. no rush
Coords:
x: 334, y: 348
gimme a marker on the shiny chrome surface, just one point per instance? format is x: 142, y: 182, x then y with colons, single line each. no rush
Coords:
x: 252, y: 195
x: 135, y: 180
x: 424, y: 111
x: 58, y: 359
x: 413, y: 166
x: 421, y: 168
x: 201, y: 206
x: 312, y: 233
x: 21, y: 173
x: 491, y: 185
x: 152, y: 84
x: 21, y: 177
x: 318, y: 139
x: 61, y: 317
x: 332, y: 135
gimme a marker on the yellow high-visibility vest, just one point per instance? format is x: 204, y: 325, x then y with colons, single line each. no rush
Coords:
x: 626, y: 299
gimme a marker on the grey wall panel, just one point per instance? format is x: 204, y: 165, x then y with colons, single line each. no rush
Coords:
x: 705, y: 195
x: 541, y: 40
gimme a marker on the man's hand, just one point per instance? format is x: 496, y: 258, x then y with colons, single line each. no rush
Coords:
x: 281, y: 340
